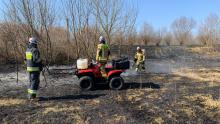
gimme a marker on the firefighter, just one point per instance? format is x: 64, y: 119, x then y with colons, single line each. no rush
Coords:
x: 139, y: 59
x: 34, y: 67
x: 102, y: 55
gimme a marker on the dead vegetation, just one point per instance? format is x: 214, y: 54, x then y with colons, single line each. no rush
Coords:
x: 12, y: 102
x: 180, y: 99
x: 206, y: 101
x: 68, y: 30
x: 200, y: 75
x: 205, y: 51
x: 185, y: 89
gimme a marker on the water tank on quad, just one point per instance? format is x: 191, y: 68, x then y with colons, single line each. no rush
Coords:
x: 82, y: 63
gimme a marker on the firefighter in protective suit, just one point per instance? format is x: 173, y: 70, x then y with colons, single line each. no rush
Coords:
x: 102, y: 55
x: 139, y: 59
x: 34, y: 67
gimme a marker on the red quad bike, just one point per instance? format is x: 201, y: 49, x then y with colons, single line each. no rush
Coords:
x: 88, y: 78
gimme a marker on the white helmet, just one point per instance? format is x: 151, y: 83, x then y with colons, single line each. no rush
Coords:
x: 33, y: 40
x: 138, y: 48
x: 101, y: 39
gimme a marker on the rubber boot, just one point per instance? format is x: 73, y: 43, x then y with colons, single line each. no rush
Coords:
x: 32, y: 96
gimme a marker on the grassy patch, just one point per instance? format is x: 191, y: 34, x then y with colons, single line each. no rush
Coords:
x: 94, y: 102
x: 135, y: 95
x: 205, y: 101
x: 209, y: 51
x: 11, y: 102
x: 187, y: 112
x: 158, y: 120
x: 200, y: 75
x: 117, y: 119
x: 61, y: 109
x: 73, y: 112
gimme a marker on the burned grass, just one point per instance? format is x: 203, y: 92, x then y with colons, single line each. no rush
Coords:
x: 188, y: 95
x: 177, y: 100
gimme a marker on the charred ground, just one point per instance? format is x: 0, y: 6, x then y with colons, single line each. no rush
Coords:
x: 182, y: 86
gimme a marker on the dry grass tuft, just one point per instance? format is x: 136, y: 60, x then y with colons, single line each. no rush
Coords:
x: 153, y: 96
x: 187, y: 111
x: 143, y: 106
x: 201, y: 75
x: 117, y: 119
x: 135, y: 95
x: 93, y: 102
x: 158, y: 120
x: 119, y: 98
x: 73, y: 112
x: 206, y: 101
x: 170, y: 114
x: 11, y: 102
x: 61, y: 109
x: 208, y: 51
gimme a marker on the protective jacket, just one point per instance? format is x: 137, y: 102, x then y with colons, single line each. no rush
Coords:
x: 33, y: 59
x: 139, y: 57
x: 103, y: 52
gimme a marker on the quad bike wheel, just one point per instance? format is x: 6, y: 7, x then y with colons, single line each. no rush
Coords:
x: 86, y: 83
x: 116, y: 83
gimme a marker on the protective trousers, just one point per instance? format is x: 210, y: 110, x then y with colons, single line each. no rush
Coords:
x: 102, y: 68
x: 140, y: 66
x: 34, y: 78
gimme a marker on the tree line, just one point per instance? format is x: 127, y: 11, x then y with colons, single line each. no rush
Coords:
x: 69, y: 29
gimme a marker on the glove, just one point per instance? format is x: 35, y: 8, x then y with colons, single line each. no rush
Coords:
x: 135, y: 60
x: 142, y: 62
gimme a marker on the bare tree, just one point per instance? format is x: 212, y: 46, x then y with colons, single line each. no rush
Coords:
x: 46, y: 18
x: 146, y: 33
x: 158, y: 36
x: 114, y: 16
x: 209, y: 31
x: 167, y: 38
x: 182, y: 29
x: 78, y: 13
x: 104, y: 17
x: 85, y: 21
x: 107, y: 13
x: 35, y: 16
x: 6, y: 42
x: 127, y: 26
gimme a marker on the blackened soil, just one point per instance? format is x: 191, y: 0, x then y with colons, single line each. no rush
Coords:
x: 157, y: 99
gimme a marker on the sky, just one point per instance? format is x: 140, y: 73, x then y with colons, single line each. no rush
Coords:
x: 161, y: 13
